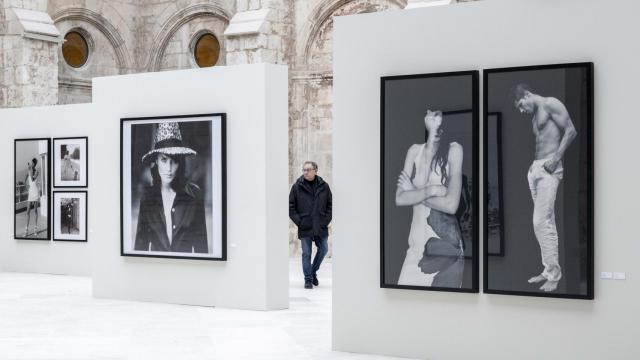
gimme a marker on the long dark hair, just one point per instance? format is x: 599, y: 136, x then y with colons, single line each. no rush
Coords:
x: 439, y: 162
x: 178, y: 182
x: 34, y: 162
x: 441, y: 157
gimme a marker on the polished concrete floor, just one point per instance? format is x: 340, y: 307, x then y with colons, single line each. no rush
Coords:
x: 55, y: 318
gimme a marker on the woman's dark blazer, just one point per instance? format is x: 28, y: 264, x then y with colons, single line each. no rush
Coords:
x: 188, y: 218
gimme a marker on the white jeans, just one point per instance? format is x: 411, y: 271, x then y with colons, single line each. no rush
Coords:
x: 544, y: 187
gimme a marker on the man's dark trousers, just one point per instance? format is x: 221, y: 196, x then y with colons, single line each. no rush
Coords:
x: 310, y: 269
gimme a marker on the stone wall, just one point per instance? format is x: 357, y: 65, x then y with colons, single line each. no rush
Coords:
x: 261, y: 32
x: 130, y: 36
x: 28, y: 66
x: 75, y: 83
x: 164, y: 27
x: 108, y: 28
x: 27, y: 75
x: 178, y: 53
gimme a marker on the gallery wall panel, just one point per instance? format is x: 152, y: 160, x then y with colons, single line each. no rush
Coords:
x: 255, y: 273
x: 482, y: 35
x: 38, y: 256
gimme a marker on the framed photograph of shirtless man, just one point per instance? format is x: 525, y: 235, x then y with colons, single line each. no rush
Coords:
x: 32, y: 189
x: 543, y: 177
x: 173, y: 187
x: 429, y: 182
x: 70, y: 162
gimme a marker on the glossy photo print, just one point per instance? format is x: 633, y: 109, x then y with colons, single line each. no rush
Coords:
x: 32, y: 177
x: 538, y: 176
x: 173, y: 182
x: 70, y: 162
x: 429, y: 180
x: 70, y: 216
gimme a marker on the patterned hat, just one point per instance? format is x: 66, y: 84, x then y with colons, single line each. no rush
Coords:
x: 168, y: 140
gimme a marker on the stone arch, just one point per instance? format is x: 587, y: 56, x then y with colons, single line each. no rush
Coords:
x: 174, y: 23
x: 104, y: 26
x: 323, y: 13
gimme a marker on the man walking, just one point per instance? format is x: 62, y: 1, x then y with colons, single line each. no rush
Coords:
x: 310, y: 209
x: 554, y: 132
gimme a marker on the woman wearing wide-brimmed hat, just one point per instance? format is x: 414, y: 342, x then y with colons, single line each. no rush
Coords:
x: 172, y: 216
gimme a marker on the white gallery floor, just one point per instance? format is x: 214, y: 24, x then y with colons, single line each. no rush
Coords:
x: 53, y: 317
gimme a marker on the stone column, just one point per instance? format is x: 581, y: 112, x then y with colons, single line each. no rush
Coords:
x: 28, y: 54
x: 260, y: 32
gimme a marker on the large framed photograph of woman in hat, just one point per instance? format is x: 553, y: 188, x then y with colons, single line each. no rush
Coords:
x: 173, y: 187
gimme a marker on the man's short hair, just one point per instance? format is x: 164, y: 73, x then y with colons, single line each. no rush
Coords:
x: 315, y: 166
x: 518, y: 91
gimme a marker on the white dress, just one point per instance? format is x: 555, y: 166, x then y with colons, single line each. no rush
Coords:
x: 421, y: 231
x: 34, y: 192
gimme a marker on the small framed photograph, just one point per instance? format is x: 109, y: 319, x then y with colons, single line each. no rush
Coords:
x: 538, y: 177
x: 429, y: 182
x: 32, y: 189
x: 70, y: 215
x: 70, y: 162
x: 173, y: 187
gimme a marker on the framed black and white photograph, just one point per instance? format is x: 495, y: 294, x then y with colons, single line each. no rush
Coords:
x: 32, y: 178
x: 70, y: 215
x: 538, y: 176
x: 429, y: 182
x: 173, y: 200
x: 70, y: 162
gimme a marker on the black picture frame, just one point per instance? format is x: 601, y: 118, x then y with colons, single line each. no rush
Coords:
x: 586, y: 172
x: 86, y: 214
x: 223, y: 179
x: 85, y: 164
x: 474, y: 188
x: 47, y: 189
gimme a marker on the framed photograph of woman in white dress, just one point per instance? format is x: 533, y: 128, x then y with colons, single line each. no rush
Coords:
x: 173, y: 187
x: 32, y: 190
x: 429, y: 182
x: 70, y: 162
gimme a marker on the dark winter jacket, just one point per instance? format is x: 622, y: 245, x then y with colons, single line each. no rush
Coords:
x: 310, y: 210
x: 188, y: 218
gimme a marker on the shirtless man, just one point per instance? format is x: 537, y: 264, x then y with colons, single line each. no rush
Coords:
x: 554, y: 132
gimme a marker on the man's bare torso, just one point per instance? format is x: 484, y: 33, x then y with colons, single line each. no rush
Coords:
x: 548, y: 135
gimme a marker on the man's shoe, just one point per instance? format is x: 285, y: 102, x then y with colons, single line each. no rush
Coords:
x: 315, y: 281
x: 308, y: 285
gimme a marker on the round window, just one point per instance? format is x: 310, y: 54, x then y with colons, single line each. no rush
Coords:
x: 207, y: 50
x: 75, y: 49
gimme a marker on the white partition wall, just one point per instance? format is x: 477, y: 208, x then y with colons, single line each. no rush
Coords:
x: 477, y: 35
x: 39, y: 256
x: 254, y: 97
x: 255, y: 275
